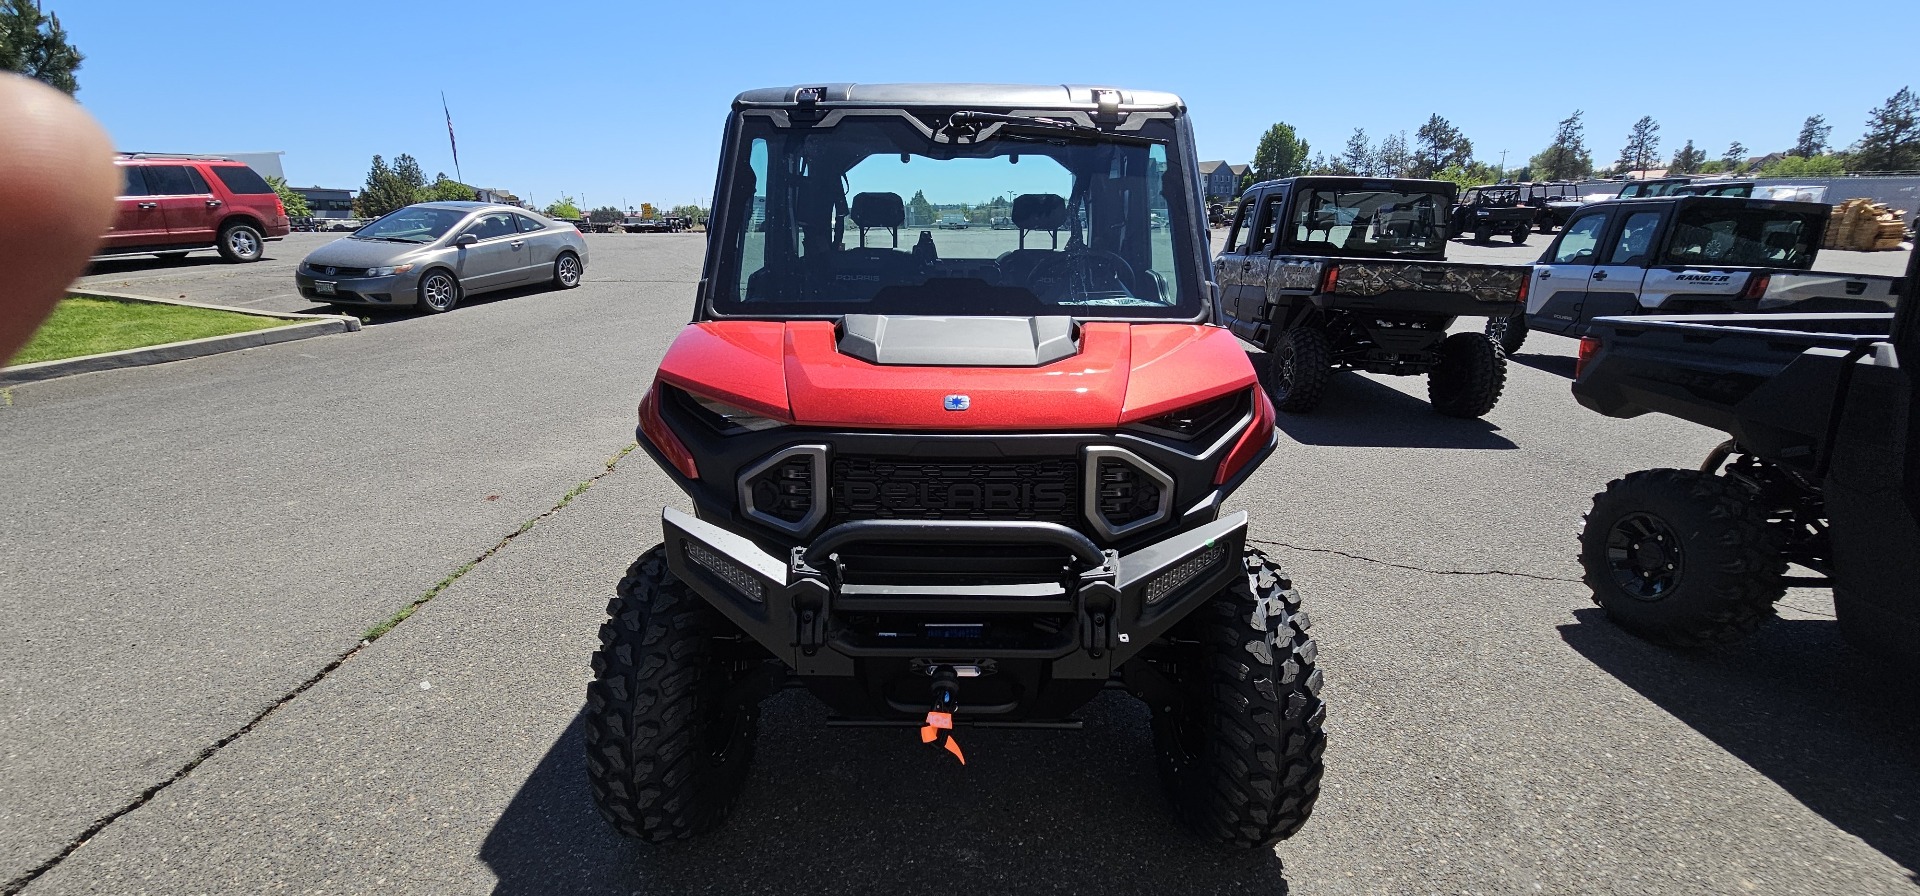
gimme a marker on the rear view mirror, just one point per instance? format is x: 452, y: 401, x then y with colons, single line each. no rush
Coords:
x: 466, y: 239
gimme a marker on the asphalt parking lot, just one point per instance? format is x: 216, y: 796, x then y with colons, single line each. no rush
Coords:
x: 198, y: 547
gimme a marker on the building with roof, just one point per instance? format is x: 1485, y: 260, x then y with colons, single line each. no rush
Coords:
x: 1221, y: 180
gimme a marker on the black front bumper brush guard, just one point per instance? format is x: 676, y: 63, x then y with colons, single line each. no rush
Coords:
x: 1119, y: 603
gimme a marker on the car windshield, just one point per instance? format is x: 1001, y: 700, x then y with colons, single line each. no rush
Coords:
x: 1367, y: 222
x: 413, y: 224
x: 1748, y: 237
x: 872, y: 215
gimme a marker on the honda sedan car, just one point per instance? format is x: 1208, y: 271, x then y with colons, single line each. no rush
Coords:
x: 433, y: 254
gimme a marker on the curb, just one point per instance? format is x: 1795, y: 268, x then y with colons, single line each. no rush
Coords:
x: 302, y: 326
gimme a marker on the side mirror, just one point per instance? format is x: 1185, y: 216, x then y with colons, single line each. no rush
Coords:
x: 465, y: 239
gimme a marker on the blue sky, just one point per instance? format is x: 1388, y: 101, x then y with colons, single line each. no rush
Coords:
x: 623, y: 102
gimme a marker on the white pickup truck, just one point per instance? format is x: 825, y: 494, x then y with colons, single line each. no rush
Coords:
x: 1686, y: 255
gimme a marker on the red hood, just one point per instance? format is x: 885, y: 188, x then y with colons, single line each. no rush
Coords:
x: 793, y: 372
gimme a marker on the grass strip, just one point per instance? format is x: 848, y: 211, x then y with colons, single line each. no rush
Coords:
x: 80, y: 326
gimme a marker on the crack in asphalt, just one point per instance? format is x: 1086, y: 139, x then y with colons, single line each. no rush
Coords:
x: 21, y: 882
x: 1437, y: 572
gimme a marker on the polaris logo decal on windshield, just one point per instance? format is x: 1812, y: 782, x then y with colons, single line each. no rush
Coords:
x: 1704, y: 278
x: 958, y: 403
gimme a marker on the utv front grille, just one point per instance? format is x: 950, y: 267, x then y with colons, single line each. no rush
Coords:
x: 1125, y: 491
x: 783, y: 491
x: 868, y: 487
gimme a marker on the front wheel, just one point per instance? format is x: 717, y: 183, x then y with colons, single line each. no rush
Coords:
x: 669, y: 729
x: 1681, y: 557
x: 1469, y: 378
x: 439, y: 292
x: 1240, y: 751
x: 1483, y: 234
x: 1520, y: 234
x: 241, y: 243
x: 567, y: 270
x: 1508, y: 332
x: 1299, y: 368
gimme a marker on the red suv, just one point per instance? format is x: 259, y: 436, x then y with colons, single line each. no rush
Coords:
x: 173, y: 204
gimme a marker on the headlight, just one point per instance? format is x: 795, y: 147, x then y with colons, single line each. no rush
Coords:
x: 1197, y: 420
x: 390, y: 271
x: 729, y: 419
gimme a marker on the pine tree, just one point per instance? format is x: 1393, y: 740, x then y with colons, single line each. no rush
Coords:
x: 1892, y: 140
x: 36, y: 46
x: 1687, y: 160
x: 1568, y: 158
x: 1736, y: 158
x: 1359, y: 157
x: 1643, y: 146
x: 1440, y: 145
x: 1813, y: 137
x: 1393, y: 159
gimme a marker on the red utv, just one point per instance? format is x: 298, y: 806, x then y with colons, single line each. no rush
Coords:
x: 954, y: 478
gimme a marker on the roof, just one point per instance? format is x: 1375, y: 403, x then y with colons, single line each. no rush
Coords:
x: 1239, y: 169
x: 1207, y: 168
x: 466, y: 205
x: 1010, y: 96
x: 1337, y: 179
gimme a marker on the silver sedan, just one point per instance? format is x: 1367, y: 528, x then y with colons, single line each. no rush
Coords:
x: 432, y: 254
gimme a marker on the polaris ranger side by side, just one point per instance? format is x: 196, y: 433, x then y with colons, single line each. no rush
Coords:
x: 966, y: 478
x: 1821, y: 470
x: 1494, y: 209
x: 1339, y: 273
x: 1686, y: 255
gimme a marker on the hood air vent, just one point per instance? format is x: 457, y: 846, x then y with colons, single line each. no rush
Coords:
x: 957, y: 341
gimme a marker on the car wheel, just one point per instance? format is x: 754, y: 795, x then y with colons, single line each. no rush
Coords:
x: 439, y: 292
x: 241, y: 243
x: 1681, y: 557
x: 1469, y: 378
x: 1520, y: 234
x: 567, y: 270
x: 1508, y: 332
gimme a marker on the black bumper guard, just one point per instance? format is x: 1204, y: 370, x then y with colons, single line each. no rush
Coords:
x: 1119, y: 603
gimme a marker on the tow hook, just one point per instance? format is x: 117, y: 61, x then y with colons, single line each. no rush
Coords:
x: 946, y: 701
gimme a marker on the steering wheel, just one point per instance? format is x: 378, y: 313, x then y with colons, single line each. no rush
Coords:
x: 1086, y: 273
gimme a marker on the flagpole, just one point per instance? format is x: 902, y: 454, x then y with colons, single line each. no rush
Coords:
x: 450, y: 141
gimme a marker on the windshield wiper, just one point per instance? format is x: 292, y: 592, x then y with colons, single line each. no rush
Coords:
x: 968, y: 123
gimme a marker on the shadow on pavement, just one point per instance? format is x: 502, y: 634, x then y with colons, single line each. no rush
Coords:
x: 871, y: 810
x: 1360, y: 412
x: 378, y: 315
x: 1829, y: 725
x: 1558, y: 365
x: 129, y: 264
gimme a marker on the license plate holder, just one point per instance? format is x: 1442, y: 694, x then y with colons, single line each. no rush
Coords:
x: 324, y: 288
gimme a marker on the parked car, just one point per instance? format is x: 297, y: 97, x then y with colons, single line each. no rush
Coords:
x: 171, y: 204
x: 1686, y: 255
x: 432, y: 254
x: 953, y: 222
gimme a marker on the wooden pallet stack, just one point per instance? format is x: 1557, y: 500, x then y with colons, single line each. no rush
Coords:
x: 1862, y: 225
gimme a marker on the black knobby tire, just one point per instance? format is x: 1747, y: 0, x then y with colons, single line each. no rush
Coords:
x: 1241, y: 756
x: 567, y: 270
x: 1508, y: 332
x: 1299, y: 367
x: 1520, y: 234
x: 241, y: 243
x: 668, y: 737
x: 439, y: 291
x: 1469, y: 378
x: 1483, y: 234
x: 1681, y: 557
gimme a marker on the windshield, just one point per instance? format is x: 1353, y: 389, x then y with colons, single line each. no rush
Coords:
x: 412, y: 224
x: 1368, y: 222
x: 873, y: 216
x: 1751, y: 237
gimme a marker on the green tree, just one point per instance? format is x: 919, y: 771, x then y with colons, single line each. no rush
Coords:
x: 1643, y: 146
x: 36, y: 46
x: 1687, y: 160
x: 1471, y: 174
x: 563, y: 207
x: 296, y: 204
x: 384, y: 192
x: 446, y: 189
x: 1568, y: 157
x: 1802, y: 166
x: 698, y: 215
x: 1359, y: 156
x: 1813, y: 137
x: 1281, y: 153
x: 919, y: 210
x: 1892, y: 140
x: 1393, y: 159
x: 408, y: 171
x: 1439, y: 144
x: 1735, y: 159
x: 605, y: 214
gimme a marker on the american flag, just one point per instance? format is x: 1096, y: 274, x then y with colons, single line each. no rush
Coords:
x: 451, y: 143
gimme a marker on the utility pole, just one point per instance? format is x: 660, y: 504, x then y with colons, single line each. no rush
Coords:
x: 1503, y: 164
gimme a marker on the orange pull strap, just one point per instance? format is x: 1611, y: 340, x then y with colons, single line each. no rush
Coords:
x: 953, y: 746
x: 928, y: 733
